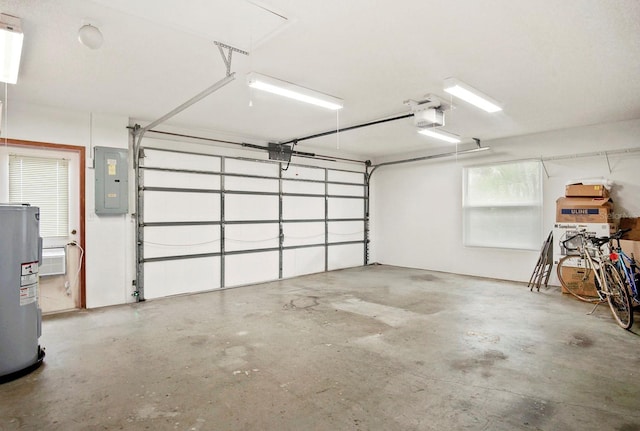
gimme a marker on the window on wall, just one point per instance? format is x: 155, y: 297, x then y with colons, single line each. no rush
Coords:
x: 42, y: 182
x: 502, y: 205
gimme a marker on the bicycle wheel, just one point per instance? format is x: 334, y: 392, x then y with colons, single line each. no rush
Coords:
x: 628, y: 277
x: 635, y: 293
x: 635, y: 296
x: 617, y: 296
x: 577, y: 281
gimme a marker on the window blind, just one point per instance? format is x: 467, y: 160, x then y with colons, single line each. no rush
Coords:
x: 42, y: 182
x: 502, y: 205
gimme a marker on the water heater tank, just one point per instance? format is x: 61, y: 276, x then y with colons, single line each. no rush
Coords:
x: 20, y: 315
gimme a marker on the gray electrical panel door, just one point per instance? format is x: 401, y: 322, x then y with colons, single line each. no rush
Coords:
x: 112, y: 180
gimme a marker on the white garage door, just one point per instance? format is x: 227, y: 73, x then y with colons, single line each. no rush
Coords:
x: 207, y: 221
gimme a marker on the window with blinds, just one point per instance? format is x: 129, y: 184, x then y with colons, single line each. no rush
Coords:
x: 42, y: 182
x: 502, y: 205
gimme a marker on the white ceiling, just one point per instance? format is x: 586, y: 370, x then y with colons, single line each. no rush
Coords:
x: 554, y: 64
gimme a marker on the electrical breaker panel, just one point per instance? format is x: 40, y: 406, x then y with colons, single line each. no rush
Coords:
x: 112, y: 180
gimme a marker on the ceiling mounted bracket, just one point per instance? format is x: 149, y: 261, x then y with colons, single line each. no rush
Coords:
x: 606, y: 155
x: 546, y: 172
x: 427, y: 102
x: 227, y: 58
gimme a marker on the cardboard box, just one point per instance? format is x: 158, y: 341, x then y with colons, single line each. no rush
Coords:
x: 584, y: 210
x: 634, y: 225
x: 562, y: 231
x: 631, y: 247
x: 574, y: 275
x: 584, y: 190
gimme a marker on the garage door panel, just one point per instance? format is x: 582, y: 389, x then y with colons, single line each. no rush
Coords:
x: 345, y: 256
x: 345, y: 177
x: 302, y: 208
x: 175, y: 277
x: 181, y: 206
x: 346, y: 208
x: 344, y: 190
x: 251, y: 184
x: 303, y: 233
x: 241, y: 269
x: 251, y: 236
x: 181, y: 180
x: 302, y: 261
x: 174, y: 160
x: 303, y: 187
x: 251, y: 207
x: 164, y: 241
x: 346, y: 231
x: 249, y: 167
x: 303, y: 173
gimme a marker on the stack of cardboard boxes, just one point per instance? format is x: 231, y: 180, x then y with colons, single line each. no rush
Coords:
x: 587, y: 207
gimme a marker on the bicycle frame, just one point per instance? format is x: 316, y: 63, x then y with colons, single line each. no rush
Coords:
x: 594, y: 264
x: 627, y: 266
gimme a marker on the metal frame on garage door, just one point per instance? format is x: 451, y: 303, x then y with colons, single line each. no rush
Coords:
x: 208, y: 221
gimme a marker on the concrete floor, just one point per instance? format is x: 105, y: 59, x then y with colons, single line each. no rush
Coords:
x: 374, y: 348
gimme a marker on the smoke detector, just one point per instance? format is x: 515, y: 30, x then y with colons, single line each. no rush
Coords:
x: 429, y: 111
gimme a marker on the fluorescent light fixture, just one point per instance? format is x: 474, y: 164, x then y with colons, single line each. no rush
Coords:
x: 471, y: 95
x: 292, y: 91
x: 11, y: 37
x: 440, y: 134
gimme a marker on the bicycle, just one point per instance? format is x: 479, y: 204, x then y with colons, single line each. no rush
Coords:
x: 606, y: 278
x: 627, y: 267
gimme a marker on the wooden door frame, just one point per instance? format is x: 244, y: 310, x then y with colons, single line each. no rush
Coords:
x: 81, y: 151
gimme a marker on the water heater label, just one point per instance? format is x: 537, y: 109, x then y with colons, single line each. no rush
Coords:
x: 29, y: 283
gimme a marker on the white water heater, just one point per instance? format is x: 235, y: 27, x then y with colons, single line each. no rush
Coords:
x: 20, y: 315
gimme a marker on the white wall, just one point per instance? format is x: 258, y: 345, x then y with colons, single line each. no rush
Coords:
x: 416, y: 208
x: 108, y: 239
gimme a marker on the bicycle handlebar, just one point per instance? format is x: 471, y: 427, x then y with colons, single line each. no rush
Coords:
x: 618, y: 236
x: 598, y: 242
x: 620, y: 233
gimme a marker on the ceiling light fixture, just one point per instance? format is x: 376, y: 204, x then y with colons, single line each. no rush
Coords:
x: 440, y: 134
x: 11, y: 38
x: 471, y: 95
x: 293, y: 91
x: 90, y: 36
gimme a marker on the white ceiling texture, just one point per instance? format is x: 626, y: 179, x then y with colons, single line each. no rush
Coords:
x: 553, y: 64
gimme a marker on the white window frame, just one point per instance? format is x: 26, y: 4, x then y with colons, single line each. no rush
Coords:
x: 73, y: 194
x: 510, y: 217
